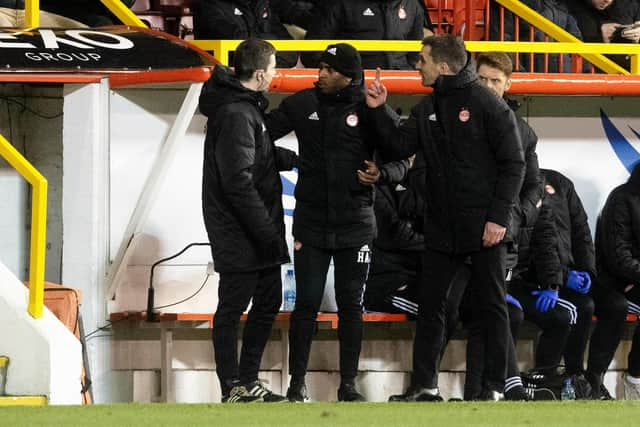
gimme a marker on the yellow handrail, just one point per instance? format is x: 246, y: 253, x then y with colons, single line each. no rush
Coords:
x: 32, y: 13
x: 538, y: 21
x: 123, y: 13
x: 38, y: 223
x: 221, y: 48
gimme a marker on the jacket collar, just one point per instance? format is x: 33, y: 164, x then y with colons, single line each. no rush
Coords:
x: 465, y: 77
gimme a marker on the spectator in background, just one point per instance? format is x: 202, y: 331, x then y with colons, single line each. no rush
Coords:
x: 370, y: 20
x: 555, y: 11
x: 398, y: 246
x: 618, y: 262
x: 89, y: 12
x: 608, y: 21
x: 241, y: 19
x: 583, y: 289
x: 12, y: 16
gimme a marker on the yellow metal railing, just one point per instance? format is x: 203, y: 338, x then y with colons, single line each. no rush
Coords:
x: 38, y: 223
x: 559, y: 34
x: 32, y: 13
x: 221, y: 48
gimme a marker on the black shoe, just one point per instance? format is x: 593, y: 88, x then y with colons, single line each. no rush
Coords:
x: 517, y: 394
x: 257, y: 389
x: 297, y: 393
x: 602, y: 394
x: 416, y: 394
x: 239, y: 394
x: 348, y: 393
x: 581, y: 386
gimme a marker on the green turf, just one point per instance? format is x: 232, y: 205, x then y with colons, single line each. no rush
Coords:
x: 581, y: 413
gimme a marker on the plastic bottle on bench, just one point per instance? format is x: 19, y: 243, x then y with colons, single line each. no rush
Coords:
x: 567, y: 392
x: 289, y: 294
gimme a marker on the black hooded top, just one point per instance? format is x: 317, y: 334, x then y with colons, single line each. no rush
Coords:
x: 618, y: 234
x: 241, y: 187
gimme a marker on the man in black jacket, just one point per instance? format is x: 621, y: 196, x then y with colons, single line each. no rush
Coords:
x: 370, y: 20
x: 397, y: 249
x: 608, y: 21
x: 474, y: 171
x: 243, y: 215
x: 241, y: 19
x: 334, y: 216
x: 618, y: 258
x: 584, y: 289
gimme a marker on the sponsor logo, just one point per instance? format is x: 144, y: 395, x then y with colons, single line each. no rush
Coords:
x: 464, y: 115
x: 623, y: 149
x: 352, y: 120
x: 549, y: 189
x: 368, y: 12
x: 314, y: 116
x: 402, y: 13
x: 237, y: 12
x: 364, y: 255
x: 332, y: 51
x: 433, y: 117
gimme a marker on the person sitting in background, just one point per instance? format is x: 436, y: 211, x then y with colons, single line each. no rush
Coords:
x: 89, y: 12
x: 241, y: 19
x: 555, y: 11
x: 608, y: 21
x: 395, y: 268
x: 584, y: 290
x: 618, y: 263
x: 12, y: 16
x: 370, y: 20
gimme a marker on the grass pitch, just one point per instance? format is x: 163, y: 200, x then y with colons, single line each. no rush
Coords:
x: 580, y: 413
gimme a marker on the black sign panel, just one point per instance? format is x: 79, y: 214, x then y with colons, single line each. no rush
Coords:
x: 86, y: 49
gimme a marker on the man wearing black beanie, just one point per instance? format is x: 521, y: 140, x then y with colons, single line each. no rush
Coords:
x: 334, y: 216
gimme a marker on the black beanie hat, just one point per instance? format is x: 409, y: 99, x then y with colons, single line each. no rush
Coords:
x: 343, y: 58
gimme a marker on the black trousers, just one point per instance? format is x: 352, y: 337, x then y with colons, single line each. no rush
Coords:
x: 633, y: 361
x: 554, y: 323
x: 579, y: 335
x: 611, y: 308
x: 235, y: 291
x: 351, y: 266
x: 487, y: 277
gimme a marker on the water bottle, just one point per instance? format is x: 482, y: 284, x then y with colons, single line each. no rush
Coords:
x: 289, y: 296
x: 567, y: 392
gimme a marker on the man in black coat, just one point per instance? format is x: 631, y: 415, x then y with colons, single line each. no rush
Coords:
x: 243, y: 215
x: 583, y: 288
x: 474, y: 172
x: 618, y: 258
x: 333, y: 218
x: 241, y: 19
x: 369, y: 20
x: 608, y: 21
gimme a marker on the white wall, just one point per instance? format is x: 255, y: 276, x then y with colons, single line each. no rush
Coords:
x: 45, y: 358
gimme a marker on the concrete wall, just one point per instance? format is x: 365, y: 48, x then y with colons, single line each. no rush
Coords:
x: 45, y: 358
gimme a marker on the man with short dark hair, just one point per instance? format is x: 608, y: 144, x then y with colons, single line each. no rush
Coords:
x: 243, y: 215
x: 474, y: 171
x: 334, y: 216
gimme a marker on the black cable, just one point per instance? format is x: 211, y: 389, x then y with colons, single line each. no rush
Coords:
x: 172, y: 257
x: 151, y: 290
x: 31, y: 110
x: 187, y: 298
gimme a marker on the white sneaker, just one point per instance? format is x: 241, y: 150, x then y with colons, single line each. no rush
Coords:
x: 631, y: 391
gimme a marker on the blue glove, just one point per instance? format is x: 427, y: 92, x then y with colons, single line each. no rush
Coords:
x: 547, y: 299
x: 586, y: 282
x: 514, y: 302
x: 575, y: 280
